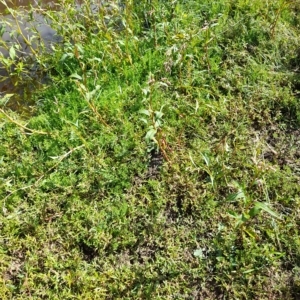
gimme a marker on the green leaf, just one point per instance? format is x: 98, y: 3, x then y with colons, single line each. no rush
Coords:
x: 158, y: 123
x: 12, y: 52
x: 151, y: 134
x: 236, y: 196
x: 145, y: 112
x: 251, y: 233
x: 266, y: 208
x: 233, y: 214
x: 65, y: 56
x: 144, y: 120
x: 245, y: 217
x: 206, y: 158
x: 75, y: 75
x: 146, y: 91
x: 248, y: 271
x: 5, y: 99
x: 2, y: 29
x: 254, y: 211
x: 158, y: 114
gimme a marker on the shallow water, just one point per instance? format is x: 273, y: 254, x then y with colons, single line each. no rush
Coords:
x: 10, y: 84
x: 34, y: 27
x: 24, y: 3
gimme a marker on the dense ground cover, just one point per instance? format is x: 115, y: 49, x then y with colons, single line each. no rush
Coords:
x: 161, y: 160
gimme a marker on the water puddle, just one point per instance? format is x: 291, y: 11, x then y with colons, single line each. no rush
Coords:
x: 26, y: 32
x: 24, y: 3
x: 23, y: 33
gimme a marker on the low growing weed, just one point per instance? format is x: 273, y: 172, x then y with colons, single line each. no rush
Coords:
x: 206, y: 94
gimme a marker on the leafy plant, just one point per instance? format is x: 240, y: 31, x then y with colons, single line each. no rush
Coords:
x: 200, y: 83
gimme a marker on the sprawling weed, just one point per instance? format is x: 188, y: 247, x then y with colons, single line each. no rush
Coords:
x: 162, y: 157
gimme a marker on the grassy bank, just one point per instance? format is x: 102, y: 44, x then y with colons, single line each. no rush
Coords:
x: 161, y: 160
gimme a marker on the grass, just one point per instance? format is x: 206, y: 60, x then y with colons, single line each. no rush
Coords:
x: 161, y: 161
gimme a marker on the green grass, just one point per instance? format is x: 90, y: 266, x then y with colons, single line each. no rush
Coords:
x: 162, y: 159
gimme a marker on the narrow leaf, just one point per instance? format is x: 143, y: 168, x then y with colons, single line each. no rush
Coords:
x: 235, y: 196
x: 266, y: 208
x: 12, y: 52
x: 145, y: 112
x: 75, y: 75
